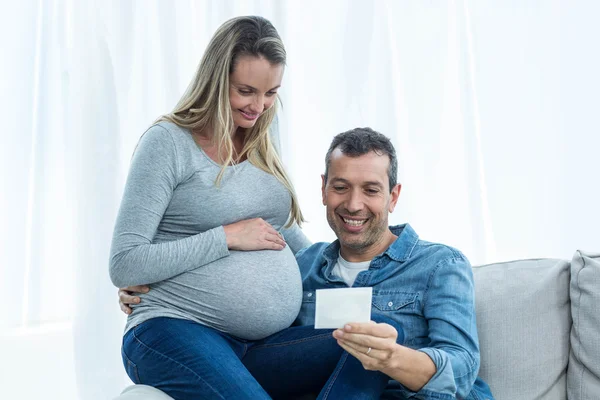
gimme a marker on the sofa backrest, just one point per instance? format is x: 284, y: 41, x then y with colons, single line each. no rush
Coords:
x: 524, y: 322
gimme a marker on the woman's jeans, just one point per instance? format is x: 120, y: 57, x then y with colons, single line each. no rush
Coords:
x: 188, y: 360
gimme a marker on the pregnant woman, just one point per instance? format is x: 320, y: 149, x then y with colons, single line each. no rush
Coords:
x: 210, y: 221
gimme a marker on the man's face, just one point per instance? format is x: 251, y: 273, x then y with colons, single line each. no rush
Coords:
x: 358, y: 201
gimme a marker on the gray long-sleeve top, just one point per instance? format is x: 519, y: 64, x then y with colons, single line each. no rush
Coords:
x: 169, y: 234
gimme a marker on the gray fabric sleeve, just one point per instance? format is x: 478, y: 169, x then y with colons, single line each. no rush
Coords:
x: 134, y: 260
x: 295, y: 238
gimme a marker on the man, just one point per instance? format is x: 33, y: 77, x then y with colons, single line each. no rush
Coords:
x: 422, y: 287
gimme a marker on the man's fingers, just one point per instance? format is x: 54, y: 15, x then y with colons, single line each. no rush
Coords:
x: 375, y: 352
x: 362, y: 341
x: 350, y: 349
x: 128, y: 299
x: 125, y: 309
x: 371, y: 328
x: 137, y: 289
x: 353, y: 346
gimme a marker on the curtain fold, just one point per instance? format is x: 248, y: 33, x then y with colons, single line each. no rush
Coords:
x: 96, y: 150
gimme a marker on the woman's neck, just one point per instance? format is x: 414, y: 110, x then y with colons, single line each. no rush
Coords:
x: 205, y: 139
x: 207, y: 134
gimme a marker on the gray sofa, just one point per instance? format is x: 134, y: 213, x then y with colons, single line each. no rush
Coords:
x: 539, y: 330
x: 539, y: 327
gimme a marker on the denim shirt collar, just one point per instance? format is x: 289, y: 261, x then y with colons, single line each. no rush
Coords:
x: 400, y: 250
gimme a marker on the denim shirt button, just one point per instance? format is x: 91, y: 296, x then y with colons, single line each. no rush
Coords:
x: 309, y: 295
x: 390, y: 304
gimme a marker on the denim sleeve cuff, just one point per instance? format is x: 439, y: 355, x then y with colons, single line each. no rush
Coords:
x: 442, y: 382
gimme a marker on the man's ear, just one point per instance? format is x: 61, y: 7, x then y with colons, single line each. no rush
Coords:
x: 323, y: 183
x: 394, y: 197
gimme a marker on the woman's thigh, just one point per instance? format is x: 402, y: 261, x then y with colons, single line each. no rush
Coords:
x: 188, y: 360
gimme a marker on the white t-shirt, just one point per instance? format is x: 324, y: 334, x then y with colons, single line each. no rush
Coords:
x: 348, y: 271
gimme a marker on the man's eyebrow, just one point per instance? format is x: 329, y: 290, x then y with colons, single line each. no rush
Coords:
x: 253, y: 88
x: 373, y: 183
x: 345, y: 181
x: 338, y: 180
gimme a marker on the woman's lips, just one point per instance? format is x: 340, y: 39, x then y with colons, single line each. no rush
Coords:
x: 249, y: 116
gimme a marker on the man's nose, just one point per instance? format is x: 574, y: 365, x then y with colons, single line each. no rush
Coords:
x: 354, y: 202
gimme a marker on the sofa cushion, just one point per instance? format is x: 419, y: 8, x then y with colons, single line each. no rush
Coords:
x: 524, y: 322
x: 583, y: 380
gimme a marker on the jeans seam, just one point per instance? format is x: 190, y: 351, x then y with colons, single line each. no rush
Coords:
x: 133, y: 367
x: 335, y: 375
x: 176, y: 362
x: 135, y: 371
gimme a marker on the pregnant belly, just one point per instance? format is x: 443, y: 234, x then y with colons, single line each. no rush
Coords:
x: 249, y: 294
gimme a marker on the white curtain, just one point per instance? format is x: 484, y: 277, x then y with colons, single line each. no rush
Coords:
x: 492, y: 106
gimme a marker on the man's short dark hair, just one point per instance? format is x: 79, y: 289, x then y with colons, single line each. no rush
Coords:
x: 360, y: 141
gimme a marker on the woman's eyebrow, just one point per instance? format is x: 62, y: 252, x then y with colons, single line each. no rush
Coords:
x: 253, y: 88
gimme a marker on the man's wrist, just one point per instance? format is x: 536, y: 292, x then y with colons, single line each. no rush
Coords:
x: 412, y: 368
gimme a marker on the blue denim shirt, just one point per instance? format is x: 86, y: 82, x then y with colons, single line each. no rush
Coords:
x: 427, y: 288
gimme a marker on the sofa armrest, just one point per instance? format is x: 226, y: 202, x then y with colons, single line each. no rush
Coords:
x: 142, y: 392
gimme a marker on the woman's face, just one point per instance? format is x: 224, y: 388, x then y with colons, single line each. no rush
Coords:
x: 253, y: 87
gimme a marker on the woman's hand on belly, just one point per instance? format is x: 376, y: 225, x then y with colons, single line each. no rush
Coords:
x: 253, y: 234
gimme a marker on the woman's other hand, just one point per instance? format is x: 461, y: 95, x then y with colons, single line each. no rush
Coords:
x: 127, y: 297
x: 253, y: 234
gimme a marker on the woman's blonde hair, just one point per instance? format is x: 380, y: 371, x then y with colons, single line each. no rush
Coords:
x: 205, y: 103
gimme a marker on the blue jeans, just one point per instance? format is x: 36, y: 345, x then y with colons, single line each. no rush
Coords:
x: 188, y: 360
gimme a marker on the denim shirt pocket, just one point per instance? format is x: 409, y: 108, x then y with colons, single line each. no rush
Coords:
x: 402, y: 309
x: 386, y: 301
